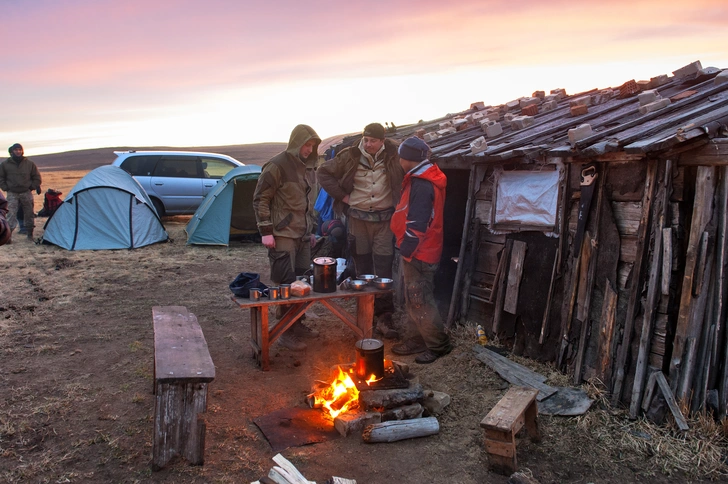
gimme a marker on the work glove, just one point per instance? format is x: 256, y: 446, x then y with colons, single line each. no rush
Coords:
x: 37, y: 190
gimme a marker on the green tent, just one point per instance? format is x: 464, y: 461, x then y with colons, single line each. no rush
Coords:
x: 227, y: 210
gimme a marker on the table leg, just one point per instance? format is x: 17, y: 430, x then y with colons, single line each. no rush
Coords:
x: 365, y: 314
x: 264, y: 338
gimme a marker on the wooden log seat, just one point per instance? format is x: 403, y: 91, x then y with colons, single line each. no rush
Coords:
x: 182, y: 370
x: 517, y: 408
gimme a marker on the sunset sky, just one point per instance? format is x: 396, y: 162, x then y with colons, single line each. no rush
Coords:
x: 101, y: 73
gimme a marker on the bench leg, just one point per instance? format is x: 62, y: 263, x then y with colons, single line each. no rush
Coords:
x: 532, y: 422
x: 178, y: 429
x: 501, y: 448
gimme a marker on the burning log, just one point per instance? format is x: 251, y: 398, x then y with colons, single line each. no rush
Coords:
x: 400, y: 430
x: 391, y: 398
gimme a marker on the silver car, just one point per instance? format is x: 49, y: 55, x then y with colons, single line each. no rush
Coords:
x: 176, y: 181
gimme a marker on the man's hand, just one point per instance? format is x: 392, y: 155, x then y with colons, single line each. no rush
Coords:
x: 269, y: 241
x: 37, y: 190
x: 345, y: 199
x: 313, y: 240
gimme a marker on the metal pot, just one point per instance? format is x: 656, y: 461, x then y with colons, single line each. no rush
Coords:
x: 324, y: 274
x: 369, y: 358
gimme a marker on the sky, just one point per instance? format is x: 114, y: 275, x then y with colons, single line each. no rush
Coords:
x: 105, y: 73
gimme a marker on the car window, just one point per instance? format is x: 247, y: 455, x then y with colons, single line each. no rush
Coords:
x: 215, y: 167
x: 177, y: 167
x: 140, y: 165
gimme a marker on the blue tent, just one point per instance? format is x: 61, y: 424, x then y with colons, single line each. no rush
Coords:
x: 107, y: 209
x: 227, y: 210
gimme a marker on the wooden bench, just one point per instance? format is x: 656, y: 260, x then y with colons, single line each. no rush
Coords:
x: 517, y: 408
x: 182, y: 370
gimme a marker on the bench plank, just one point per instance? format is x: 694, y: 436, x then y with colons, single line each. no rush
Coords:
x: 180, y: 348
x: 512, y: 407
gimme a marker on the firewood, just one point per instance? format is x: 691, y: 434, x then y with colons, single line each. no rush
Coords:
x: 391, y: 398
x: 400, y: 430
x: 290, y: 469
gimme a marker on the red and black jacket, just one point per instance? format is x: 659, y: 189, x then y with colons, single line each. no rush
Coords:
x: 417, y: 221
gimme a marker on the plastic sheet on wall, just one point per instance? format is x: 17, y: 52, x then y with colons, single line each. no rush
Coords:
x: 527, y: 198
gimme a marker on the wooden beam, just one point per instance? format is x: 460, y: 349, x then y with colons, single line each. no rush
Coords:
x: 666, y: 260
x: 682, y: 424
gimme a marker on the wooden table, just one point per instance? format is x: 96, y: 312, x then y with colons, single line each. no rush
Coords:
x: 261, y: 337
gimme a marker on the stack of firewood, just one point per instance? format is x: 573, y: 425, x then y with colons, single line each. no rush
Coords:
x: 286, y: 473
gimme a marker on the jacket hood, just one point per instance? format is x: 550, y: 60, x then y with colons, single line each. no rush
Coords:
x: 299, y: 137
x: 431, y: 172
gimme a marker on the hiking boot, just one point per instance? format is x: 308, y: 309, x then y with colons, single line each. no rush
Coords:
x: 429, y: 356
x: 30, y: 234
x: 303, y: 331
x: 410, y: 347
x: 291, y: 341
x: 385, y: 327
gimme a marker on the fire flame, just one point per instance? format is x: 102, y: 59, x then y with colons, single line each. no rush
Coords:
x: 372, y: 379
x: 338, y: 397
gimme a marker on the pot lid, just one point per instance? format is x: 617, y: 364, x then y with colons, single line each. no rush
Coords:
x: 369, y: 344
x: 324, y: 261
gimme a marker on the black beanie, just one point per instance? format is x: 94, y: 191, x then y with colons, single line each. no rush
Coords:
x: 374, y: 130
x: 413, y: 149
x: 16, y: 145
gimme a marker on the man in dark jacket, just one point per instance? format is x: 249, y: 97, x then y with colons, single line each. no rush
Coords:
x: 283, y: 203
x: 19, y: 177
x: 417, y: 224
x: 4, y: 226
x: 365, y: 182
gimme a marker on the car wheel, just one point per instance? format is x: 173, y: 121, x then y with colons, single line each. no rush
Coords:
x: 159, y: 207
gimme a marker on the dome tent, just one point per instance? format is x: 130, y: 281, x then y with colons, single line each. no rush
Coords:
x: 107, y: 209
x: 227, y: 210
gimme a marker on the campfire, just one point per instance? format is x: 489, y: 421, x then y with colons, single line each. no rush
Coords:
x: 337, y: 397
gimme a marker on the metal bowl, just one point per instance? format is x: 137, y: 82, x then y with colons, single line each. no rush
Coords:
x: 367, y: 277
x: 357, y: 285
x: 383, y: 283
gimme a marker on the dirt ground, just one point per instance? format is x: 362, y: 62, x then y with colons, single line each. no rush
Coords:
x: 76, y: 344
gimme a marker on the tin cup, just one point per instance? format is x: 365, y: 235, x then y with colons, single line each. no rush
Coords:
x: 273, y: 293
x: 255, y: 294
x: 285, y: 292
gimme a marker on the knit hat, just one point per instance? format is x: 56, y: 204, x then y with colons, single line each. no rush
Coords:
x: 374, y: 130
x: 16, y: 145
x: 414, y: 149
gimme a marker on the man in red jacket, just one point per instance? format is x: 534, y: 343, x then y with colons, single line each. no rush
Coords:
x: 417, y: 226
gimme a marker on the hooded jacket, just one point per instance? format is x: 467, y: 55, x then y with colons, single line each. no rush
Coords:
x: 19, y: 176
x: 336, y: 175
x: 4, y: 227
x: 286, y: 190
x: 417, y: 222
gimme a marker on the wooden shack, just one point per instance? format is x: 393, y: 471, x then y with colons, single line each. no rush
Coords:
x: 594, y: 231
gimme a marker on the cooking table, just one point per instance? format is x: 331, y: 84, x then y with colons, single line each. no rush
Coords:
x: 262, y: 337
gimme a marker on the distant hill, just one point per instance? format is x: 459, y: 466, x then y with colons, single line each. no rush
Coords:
x: 87, y: 160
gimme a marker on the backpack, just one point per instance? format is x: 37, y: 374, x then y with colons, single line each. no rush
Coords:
x: 51, y: 201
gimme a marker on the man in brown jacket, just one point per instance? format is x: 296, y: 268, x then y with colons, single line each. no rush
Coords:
x: 283, y: 203
x: 365, y: 182
x: 19, y: 178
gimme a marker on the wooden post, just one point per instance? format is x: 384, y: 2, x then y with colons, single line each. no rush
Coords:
x: 702, y: 209
x: 500, y: 298
x: 606, y: 332
x: 720, y: 312
x: 463, y: 242
x: 636, y: 287
x: 661, y: 201
x: 666, y: 259
x: 515, y: 272
x: 470, y: 264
